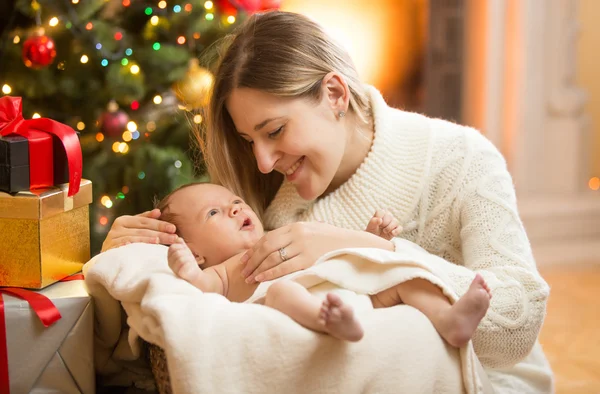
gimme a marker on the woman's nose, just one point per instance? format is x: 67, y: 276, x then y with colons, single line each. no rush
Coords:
x: 265, y: 157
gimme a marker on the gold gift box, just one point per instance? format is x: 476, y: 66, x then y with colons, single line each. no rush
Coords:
x: 44, y: 235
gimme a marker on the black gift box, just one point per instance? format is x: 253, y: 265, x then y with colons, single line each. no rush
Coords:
x: 14, y: 163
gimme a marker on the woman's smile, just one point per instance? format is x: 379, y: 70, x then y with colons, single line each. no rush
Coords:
x: 292, y: 172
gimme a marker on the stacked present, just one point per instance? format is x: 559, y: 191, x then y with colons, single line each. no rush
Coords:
x: 45, y: 334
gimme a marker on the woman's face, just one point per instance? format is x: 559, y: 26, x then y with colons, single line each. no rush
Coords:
x: 299, y: 138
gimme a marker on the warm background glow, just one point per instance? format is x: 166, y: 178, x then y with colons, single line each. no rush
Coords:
x: 383, y: 37
x: 588, y: 64
x: 475, y: 64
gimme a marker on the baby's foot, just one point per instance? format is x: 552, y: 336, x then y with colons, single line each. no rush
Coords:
x: 458, y: 324
x: 182, y: 262
x: 339, y: 320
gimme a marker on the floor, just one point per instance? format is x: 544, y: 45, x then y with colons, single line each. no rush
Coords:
x: 571, y: 333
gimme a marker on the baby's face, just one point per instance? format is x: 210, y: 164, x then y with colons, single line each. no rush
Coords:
x: 215, y: 223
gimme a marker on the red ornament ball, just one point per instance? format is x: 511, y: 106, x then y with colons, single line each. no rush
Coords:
x: 270, y: 5
x: 226, y: 7
x: 229, y: 7
x: 38, y: 51
x: 250, y: 6
x: 113, y: 122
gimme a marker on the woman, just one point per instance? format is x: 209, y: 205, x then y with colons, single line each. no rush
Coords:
x: 287, y: 103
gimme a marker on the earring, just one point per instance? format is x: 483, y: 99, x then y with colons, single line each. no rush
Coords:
x: 342, y: 114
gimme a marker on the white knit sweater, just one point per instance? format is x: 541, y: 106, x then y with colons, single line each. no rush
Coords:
x: 450, y: 189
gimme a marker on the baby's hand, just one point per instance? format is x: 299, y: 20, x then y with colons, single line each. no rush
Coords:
x: 182, y: 261
x: 384, y: 225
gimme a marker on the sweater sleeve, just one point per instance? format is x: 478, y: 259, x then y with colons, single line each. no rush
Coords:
x: 494, y: 244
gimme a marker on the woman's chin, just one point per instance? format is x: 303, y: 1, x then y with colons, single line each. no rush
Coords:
x: 309, y: 191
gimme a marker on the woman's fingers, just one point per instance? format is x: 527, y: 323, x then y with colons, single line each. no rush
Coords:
x: 268, y: 244
x: 153, y: 214
x: 286, y: 268
x: 138, y: 236
x: 273, y: 260
x: 144, y: 227
x: 163, y: 238
x: 143, y: 222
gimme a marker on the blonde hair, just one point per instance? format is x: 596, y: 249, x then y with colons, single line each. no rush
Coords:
x: 281, y: 53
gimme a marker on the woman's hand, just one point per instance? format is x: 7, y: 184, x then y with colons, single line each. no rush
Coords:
x: 144, y: 227
x: 297, y: 246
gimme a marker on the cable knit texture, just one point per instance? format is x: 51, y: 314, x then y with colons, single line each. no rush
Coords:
x: 450, y: 189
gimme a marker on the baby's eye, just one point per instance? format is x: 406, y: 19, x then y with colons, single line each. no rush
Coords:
x: 212, y: 212
x: 238, y: 202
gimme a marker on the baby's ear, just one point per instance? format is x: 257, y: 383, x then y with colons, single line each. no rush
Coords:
x: 200, y: 260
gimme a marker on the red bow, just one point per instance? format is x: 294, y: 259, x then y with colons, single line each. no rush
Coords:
x: 12, y: 122
x: 41, y: 305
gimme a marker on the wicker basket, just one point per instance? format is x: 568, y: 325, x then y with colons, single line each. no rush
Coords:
x: 158, y: 362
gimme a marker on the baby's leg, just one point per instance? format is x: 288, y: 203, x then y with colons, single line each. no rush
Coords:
x: 455, y: 323
x: 331, y: 316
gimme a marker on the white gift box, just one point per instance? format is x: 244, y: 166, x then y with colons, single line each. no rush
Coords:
x: 54, y: 359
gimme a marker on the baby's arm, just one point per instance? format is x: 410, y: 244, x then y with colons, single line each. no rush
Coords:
x: 384, y: 224
x: 184, y: 265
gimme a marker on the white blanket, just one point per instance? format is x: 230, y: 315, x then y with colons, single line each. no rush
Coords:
x: 216, y: 346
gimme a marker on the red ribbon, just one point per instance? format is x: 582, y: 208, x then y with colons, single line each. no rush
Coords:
x: 12, y: 122
x: 44, y: 309
x: 72, y: 277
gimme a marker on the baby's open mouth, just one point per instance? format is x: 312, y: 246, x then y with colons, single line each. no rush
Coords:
x: 246, y: 223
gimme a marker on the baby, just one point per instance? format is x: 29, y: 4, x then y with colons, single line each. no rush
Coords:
x: 218, y: 227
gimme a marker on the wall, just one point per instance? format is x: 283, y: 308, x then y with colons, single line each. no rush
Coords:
x: 588, y: 73
x: 385, y: 38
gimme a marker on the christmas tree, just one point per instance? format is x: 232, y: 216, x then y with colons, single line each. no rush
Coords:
x: 126, y: 75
